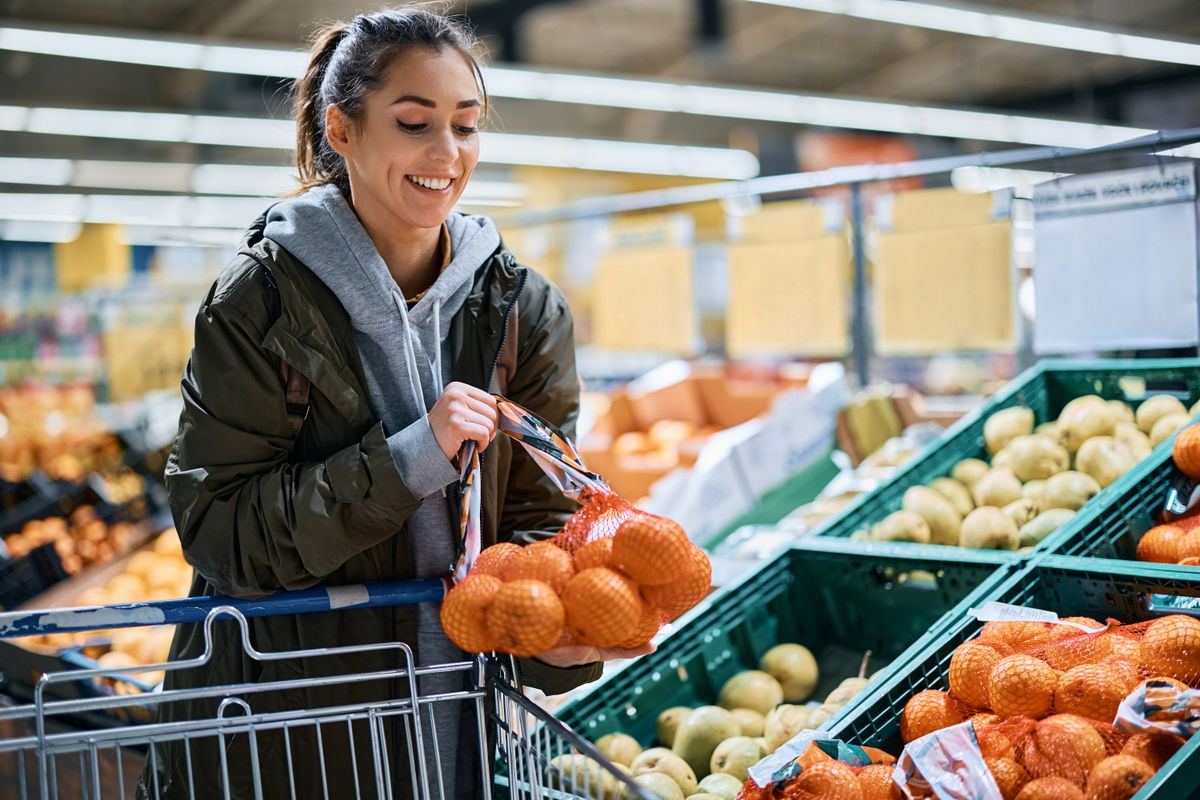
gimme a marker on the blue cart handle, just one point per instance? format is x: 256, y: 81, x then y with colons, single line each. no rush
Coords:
x: 195, y: 609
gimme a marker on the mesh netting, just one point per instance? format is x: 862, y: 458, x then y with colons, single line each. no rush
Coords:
x: 611, y: 578
x: 1077, y: 708
x: 823, y: 777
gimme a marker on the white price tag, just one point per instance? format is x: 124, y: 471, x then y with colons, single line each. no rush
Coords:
x: 993, y: 611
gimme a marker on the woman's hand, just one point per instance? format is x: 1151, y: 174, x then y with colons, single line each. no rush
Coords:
x: 463, y: 414
x: 577, y: 655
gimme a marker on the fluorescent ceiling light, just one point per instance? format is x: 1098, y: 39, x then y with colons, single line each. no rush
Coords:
x: 39, y: 171
x: 1025, y: 29
x: 16, y: 230
x: 241, y: 179
x: 497, y: 148
x: 614, y: 92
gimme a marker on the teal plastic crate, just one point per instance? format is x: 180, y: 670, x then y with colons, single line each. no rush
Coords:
x: 833, y: 598
x: 1128, y: 591
x: 1045, y: 389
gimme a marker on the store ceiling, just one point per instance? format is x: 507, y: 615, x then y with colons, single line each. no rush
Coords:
x: 740, y: 43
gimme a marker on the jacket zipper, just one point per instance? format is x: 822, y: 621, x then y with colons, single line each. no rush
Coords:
x: 460, y: 546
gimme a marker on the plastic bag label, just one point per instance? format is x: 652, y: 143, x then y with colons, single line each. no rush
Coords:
x: 1159, y: 706
x: 993, y: 611
x: 946, y: 764
x: 1182, y: 494
x: 781, y: 765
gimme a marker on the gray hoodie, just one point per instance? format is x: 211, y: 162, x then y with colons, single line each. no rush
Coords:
x: 402, y: 353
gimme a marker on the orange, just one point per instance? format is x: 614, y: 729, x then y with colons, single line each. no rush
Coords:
x: 543, y: 561
x: 1118, y: 778
x: 1171, y: 646
x: 1189, y: 545
x: 877, y: 784
x: 1124, y: 646
x: 994, y: 744
x: 597, y: 553
x: 1186, y: 451
x: 494, y: 559
x: 1190, y: 561
x: 929, y: 711
x: 526, y: 618
x: 1155, y: 749
x: 1092, y: 690
x: 1161, y: 544
x: 1022, y: 686
x: 464, y: 613
x: 677, y: 597
x: 603, y: 607
x: 829, y: 780
x: 651, y: 550
x: 1071, y: 647
x: 1015, y: 634
x: 983, y: 721
x: 1063, y: 746
x: 649, y: 624
x: 1010, y: 776
x: 1051, y: 789
x: 970, y: 667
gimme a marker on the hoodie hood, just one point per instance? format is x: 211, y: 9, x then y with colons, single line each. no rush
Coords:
x: 401, y: 348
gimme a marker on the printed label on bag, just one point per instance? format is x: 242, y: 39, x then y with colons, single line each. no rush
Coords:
x: 346, y: 596
x: 993, y: 611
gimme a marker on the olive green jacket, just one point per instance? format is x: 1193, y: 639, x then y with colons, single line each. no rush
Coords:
x: 258, y: 511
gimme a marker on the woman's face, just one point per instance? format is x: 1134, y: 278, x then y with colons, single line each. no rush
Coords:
x: 413, y: 149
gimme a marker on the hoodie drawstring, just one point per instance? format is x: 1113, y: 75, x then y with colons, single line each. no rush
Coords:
x: 414, y: 374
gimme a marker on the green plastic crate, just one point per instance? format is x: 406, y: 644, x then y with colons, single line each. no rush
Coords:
x: 1110, y: 526
x: 1066, y: 585
x: 1045, y: 389
x: 826, y: 595
x: 798, y: 490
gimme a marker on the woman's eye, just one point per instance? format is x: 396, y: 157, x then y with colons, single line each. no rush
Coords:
x: 464, y: 130
x: 410, y: 128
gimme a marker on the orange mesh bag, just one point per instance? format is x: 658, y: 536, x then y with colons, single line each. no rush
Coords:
x: 1054, y: 702
x: 813, y: 768
x: 613, y: 575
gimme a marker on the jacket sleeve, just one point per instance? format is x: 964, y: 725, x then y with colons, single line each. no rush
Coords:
x: 545, y: 382
x: 252, y: 523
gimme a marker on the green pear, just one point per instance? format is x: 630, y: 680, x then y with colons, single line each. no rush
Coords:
x: 619, y: 748
x: 723, y: 786
x: 668, y: 723
x: 735, y: 757
x: 785, y: 722
x: 700, y: 734
x: 659, y: 785
x: 660, y: 759
x: 794, y: 666
x: 750, y: 721
x: 753, y: 689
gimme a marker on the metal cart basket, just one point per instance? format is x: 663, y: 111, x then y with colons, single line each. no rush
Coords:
x: 76, y: 737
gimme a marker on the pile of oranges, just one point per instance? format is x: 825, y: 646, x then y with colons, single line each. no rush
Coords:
x: 1042, y: 699
x: 1177, y: 541
x: 614, y: 592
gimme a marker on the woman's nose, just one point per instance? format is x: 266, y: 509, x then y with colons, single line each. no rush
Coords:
x: 443, y: 148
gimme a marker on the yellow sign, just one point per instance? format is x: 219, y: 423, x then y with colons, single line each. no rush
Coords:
x: 950, y: 289
x: 937, y: 209
x: 787, y: 221
x: 789, y: 299
x: 644, y: 301
x: 97, y: 258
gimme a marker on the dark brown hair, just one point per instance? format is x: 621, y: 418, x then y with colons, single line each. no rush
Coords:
x: 346, y: 61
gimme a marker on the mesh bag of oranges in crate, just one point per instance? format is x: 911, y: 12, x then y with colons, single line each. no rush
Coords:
x: 1040, y: 707
x: 610, y: 579
x: 813, y: 766
x: 1176, y: 540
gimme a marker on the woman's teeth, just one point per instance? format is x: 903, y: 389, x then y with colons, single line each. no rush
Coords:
x: 436, y: 184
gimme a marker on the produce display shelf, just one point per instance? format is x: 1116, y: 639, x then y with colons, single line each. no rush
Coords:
x: 798, y: 490
x: 835, y: 599
x: 1069, y: 586
x: 1045, y: 389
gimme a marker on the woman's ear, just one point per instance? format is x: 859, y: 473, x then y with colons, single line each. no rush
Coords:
x: 337, y: 130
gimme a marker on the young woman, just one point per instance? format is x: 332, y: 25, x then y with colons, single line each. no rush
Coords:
x: 341, y: 361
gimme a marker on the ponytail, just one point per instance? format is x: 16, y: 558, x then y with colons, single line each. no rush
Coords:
x: 312, y: 150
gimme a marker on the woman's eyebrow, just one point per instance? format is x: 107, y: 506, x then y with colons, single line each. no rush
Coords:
x: 425, y: 101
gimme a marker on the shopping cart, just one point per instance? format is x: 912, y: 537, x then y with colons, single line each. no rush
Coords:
x: 62, y: 743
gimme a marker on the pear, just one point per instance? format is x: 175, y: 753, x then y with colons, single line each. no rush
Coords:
x: 735, y: 757
x: 619, y: 748
x: 668, y: 723
x: 794, y: 666
x: 660, y: 786
x: 700, y: 734
x: 846, y: 691
x: 662, y: 760
x: 749, y: 721
x: 723, y: 786
x: 751, y: 689
x: 783, y: 723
